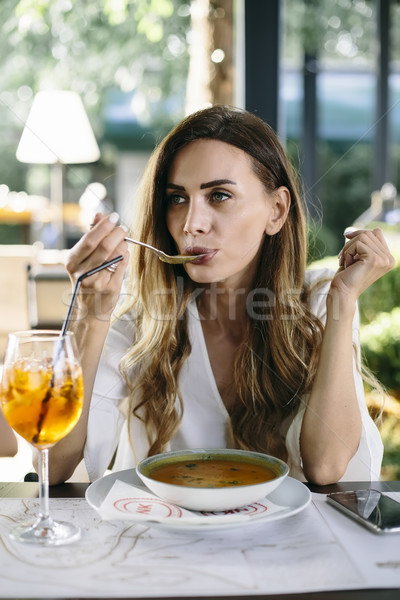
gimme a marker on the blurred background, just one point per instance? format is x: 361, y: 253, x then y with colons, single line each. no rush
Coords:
x: 325, y: 74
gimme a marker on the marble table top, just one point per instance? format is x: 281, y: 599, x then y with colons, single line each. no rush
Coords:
x: 317, y: 549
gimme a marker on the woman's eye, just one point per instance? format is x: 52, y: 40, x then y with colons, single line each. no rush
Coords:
x: 176, y: 199
x: 219, y: 196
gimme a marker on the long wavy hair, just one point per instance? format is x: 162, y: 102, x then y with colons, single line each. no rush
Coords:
x: 276, y: 363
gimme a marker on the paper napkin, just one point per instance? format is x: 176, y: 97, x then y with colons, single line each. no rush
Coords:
x: 128, y: 502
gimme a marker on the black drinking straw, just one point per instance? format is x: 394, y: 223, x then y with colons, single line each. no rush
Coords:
x: 78, y: 285
x: 44, y: 407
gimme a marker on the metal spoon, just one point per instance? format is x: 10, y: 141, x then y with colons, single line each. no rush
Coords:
x: 177, y: 259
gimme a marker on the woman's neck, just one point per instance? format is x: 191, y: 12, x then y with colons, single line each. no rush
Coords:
x: 224, y: 306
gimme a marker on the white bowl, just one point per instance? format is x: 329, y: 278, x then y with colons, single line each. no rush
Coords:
x: 212, y: 498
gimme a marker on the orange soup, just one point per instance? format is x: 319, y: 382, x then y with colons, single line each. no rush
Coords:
x: 212, y: 473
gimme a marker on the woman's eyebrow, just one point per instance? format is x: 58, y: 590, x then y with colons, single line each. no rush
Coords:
x: 175, y: 186
x: 216, y: 182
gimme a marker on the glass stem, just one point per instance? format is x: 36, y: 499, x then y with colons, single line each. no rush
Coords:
x: 44, y: 484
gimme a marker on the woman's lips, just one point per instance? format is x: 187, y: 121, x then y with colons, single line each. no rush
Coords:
x: 208, y: 254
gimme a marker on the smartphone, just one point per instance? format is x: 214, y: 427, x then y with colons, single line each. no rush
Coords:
x: 373, y: 509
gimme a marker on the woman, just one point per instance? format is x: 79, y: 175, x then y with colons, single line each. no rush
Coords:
x: 241, y: 348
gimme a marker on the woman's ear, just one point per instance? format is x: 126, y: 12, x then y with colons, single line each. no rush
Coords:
x: 280, y: 205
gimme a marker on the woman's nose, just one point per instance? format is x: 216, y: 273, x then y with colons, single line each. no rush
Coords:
x: 197, y: 219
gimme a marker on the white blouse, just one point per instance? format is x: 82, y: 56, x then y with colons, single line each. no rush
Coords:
x: 205, y: 422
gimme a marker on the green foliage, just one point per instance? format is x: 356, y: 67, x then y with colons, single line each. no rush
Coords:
x: 380, y: 341
x: 11, y: 234
x: 390, y: 433
x: 90, y: 47
x: 344, y: 193
x: 322, y: 242
x: 380, y: 297
x: 321, y: 27
x: 344, y: 186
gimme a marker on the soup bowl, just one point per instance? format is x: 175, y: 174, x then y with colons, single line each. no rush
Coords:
x: 212, y: 479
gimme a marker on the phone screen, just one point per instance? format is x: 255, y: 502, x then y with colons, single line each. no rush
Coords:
x: 370, y: 507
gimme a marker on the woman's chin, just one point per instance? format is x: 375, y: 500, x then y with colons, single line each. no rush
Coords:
x: 207, y: 279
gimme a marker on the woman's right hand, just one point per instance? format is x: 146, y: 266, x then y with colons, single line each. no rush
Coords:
x: 99, y: 293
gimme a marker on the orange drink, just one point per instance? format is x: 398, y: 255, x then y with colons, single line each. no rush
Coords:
x: 40, y: 405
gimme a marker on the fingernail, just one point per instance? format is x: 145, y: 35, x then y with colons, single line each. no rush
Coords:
x: 114, y: 217
x: 349, y: 230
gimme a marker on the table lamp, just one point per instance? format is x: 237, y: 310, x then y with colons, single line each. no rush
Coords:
x: 57, y: 132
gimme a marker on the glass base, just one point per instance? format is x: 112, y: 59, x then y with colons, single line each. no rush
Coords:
x: 46, y: 532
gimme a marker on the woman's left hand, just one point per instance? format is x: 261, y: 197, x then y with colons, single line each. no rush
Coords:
x: 364, y: 258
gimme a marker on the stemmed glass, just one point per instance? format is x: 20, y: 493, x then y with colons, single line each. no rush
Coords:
x: 42, y: 398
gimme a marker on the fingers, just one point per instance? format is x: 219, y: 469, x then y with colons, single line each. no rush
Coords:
x: 99, y: 291
x: 363, y: 245
x: 103, y: 242
x: 364, y: 258
x: 97, y: 218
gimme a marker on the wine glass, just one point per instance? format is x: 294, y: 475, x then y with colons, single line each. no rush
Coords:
x: 42, y: 398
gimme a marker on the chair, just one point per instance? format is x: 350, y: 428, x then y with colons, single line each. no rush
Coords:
x: 34, y: 289
x: 14, y: 314
x: 49, y: 294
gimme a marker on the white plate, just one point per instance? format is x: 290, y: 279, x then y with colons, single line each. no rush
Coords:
x: 291, y: 494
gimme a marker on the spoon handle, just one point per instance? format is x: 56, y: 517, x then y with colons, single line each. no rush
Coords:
x: 128, y: 239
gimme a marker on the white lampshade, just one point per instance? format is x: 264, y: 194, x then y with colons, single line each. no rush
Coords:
x: 57, y: 131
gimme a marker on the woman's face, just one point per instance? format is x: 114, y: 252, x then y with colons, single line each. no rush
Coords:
x: 217, y: 205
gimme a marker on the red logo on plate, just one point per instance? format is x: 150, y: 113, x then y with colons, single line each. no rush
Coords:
x: 151, y: 507
x: 251, y: 510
